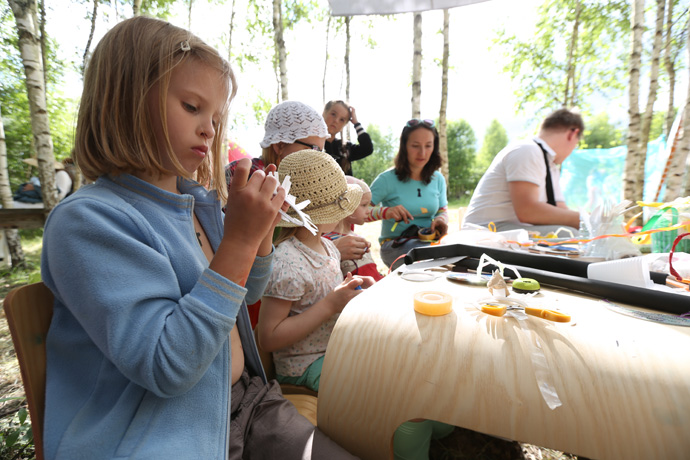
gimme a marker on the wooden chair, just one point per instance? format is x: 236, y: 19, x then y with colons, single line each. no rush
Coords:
x: 29, y: 310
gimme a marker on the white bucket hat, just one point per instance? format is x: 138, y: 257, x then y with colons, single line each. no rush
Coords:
x: 315, y: 176
x: 290, y: 121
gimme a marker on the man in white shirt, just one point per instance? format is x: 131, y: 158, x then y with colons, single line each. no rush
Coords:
x: 519, y: 190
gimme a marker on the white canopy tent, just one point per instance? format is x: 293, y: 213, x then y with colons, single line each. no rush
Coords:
x: 363, y: 7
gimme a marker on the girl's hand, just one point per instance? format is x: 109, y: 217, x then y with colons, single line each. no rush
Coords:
x: 252, y: 209
x: 249, y: 215
x: 440, y: 225
x: 344, y: 292
x: 367, y: 281
x: 353, y: 116
x: 352, y: 247
x: 399, y: 213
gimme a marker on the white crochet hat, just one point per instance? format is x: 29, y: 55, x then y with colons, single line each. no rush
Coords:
x: 292, y: 120
x: 315, y: 176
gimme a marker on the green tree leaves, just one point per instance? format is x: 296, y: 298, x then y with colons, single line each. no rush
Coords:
x: 495, y: 139
x: 462, y: 178
x: 385, y: 148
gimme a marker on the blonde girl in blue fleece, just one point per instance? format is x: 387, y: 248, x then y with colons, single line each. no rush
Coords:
x: 150, y: 335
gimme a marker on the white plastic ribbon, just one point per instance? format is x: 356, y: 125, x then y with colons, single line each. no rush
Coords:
x: 304, y: 219
x: 540, y: 367
x: 485, y: 260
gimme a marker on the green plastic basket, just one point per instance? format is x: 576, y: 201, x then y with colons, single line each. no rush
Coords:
x: 663, y: 241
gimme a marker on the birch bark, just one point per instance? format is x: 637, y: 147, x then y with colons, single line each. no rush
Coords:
x: 632, y: 187
x: 417, y: 66
x: 30, y: 50
x: 443, y: 137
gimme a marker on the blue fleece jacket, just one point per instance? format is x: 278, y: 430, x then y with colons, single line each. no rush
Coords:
x: 138, y: 347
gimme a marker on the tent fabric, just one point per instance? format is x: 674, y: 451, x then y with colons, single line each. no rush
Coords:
x: 364, y: 7
x: 589, y: 174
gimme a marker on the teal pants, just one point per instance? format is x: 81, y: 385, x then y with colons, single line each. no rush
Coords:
x: 412, y: 439
x: 310, y: 378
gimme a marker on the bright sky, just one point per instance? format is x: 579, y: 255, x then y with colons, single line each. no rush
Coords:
x: 380, y: 89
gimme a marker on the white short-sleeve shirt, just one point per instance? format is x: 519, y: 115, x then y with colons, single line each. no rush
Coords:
x: 519, y: 162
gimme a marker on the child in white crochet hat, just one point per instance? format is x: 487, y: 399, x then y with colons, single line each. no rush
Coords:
x: 290, y: 126
x: 306, y: 291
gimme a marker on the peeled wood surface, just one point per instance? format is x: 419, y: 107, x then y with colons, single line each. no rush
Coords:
x: 306, y: 405
x: 29, y: 310
x: 22, y: 218
x: 624, y: 383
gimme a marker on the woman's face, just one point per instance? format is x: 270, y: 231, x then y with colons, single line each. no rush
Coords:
x: 336, y: 118
x: 420, y: 146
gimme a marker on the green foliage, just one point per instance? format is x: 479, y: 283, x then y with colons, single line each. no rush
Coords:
x: 600, y: 133
x: 462, y: 146
x: 539, y: 65
x: 658, y: 125
x: 495, y: 139
x: 385, y: 148
x: 16, y: 437
x: 157, y: 8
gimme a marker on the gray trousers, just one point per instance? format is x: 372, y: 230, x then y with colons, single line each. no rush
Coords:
x: 265, y: 425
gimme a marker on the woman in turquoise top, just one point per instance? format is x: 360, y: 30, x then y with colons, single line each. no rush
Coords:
x: 417, y: 185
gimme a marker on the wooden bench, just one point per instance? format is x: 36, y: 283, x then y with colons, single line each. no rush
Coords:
x: 18, y: 218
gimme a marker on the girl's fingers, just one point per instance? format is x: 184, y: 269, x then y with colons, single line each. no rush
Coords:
x: 241, y: 175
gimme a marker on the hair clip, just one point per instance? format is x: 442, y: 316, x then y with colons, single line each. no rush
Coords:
x: 185, y: 46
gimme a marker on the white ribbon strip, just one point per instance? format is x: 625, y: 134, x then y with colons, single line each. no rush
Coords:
x: 304, y: 219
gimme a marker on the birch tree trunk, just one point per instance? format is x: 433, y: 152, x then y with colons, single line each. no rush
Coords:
x: 653, y: 78
x: 417, y: 66
x: 280, y: 49
x: 443, y: 138
x: 14, y: 242
x: 678, y: 168
x: 189, y: 15
x: 569, y: 96
x: 230, y: 29
x: 347, y: 71
x: 634, y: 162
x: 325, y: 62
x: 669, y: 65
x: 88, y: 42
x: 42, y: 35
x: 30, y: 50
x: 136, y: 7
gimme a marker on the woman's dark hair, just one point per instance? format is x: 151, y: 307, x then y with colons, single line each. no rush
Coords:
x: 402, y: 164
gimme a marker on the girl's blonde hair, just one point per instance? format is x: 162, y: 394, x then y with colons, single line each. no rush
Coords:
x: 114, y: 132
x: 284, y: 234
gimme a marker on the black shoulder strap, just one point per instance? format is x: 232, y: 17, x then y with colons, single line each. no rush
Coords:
x: 549, y: 185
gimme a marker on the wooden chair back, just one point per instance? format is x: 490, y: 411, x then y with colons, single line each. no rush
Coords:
x: 29, y: 310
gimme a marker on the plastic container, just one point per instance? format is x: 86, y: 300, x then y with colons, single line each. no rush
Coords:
x: 632, y: 271
x: 663, y: 241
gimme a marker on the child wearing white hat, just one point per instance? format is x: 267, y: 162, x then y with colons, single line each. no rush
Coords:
x: 306, y: 291
x: 290, y: 126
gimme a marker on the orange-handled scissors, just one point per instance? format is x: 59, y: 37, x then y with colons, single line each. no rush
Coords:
x: 551, y: 315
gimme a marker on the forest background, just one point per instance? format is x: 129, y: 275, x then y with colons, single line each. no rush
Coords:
x: 508, y: 64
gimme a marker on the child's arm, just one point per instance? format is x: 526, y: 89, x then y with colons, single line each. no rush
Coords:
x: 397, y: 213
x: 251, y: 214
x: 278, y: 330
x: 352, y: 247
